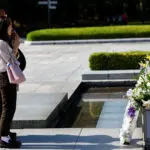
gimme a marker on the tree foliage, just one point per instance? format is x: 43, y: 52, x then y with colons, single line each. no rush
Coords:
x: 22, y: 10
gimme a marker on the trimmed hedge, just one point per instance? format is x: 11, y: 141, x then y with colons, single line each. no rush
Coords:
x: 90, y: 33
x: 117, y: 60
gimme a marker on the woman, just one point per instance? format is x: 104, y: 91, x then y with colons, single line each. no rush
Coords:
x: 8, y: 92
x: 21, y: 58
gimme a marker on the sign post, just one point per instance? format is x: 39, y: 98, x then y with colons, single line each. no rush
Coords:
x: 49, y: 14
x: 51, y: 4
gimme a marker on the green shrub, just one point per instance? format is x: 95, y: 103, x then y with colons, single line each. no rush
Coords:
x: 117, y: 60
x: 90, y: 33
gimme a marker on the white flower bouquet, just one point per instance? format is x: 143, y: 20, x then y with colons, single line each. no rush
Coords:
x: 139, y: 97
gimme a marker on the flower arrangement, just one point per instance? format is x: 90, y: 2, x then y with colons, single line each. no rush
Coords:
x: 139, y: 97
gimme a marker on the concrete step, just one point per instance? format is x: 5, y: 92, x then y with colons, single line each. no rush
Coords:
x: 112, y: 114
x: 37, y: 110
x: 110, y: 75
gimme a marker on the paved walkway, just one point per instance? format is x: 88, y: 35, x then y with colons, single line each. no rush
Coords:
x: 58, y: 68
x: 76, y: 139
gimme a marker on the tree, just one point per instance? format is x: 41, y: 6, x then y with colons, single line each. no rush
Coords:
x: 22, y: 10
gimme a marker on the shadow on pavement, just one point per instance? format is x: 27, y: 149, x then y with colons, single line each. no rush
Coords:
x: 101, y: 142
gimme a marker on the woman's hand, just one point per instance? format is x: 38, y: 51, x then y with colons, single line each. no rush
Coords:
x: 15, y: 43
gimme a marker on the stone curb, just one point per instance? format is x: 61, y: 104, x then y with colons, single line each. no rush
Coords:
x: 110, y: 75
x: 122, y: 40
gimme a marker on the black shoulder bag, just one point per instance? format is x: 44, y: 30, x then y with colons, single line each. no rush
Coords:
x: 22, y: 60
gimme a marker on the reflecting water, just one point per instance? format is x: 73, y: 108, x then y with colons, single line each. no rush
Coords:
x: 105, y: 94
x: 88, y: 115
x: 91, y: 104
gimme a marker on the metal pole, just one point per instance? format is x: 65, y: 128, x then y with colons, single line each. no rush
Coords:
x: 49, y: 14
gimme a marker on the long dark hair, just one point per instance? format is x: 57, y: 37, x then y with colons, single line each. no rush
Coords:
x: 4, y: 24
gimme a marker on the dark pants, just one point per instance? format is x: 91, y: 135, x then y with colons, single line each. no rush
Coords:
x: 8, y: 96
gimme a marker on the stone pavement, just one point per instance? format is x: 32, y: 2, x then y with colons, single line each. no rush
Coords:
x: 58, y: 68
x: 76, y: 139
